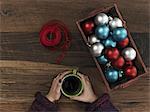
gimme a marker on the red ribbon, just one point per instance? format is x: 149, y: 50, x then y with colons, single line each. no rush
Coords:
x: 55, y: 35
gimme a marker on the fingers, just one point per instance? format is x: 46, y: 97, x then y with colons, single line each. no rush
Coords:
x: 78, y: 98
x: 60, y: 76
x: 58, y: 81
x: 84, y: 78
x: 58, y: 87
x: 64, y: 73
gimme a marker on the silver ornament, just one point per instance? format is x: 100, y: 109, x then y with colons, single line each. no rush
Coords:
x: 116, y: 22
x: 129, y: 53
x: 97, y: 49
x: 93, y: 39
x: 101, y: 18
x: 110, y: 18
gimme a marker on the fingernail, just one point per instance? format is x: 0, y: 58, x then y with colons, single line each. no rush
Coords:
x: 59, y: 80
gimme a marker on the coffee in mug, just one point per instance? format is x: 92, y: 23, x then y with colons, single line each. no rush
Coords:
x: 72, y: 85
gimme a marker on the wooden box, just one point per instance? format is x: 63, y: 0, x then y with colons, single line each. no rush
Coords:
x: 141, y: 69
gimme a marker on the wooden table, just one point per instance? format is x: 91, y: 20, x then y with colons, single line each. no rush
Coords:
x: 27, y: 67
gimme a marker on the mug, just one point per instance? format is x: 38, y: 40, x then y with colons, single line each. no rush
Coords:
x: 72, y: 84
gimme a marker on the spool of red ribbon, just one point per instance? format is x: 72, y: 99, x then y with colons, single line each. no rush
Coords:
x: 55, y: 35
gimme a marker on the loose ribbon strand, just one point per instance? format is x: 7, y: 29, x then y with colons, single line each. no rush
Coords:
x: 56, y: 36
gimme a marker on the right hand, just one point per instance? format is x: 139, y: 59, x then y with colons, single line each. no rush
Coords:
x: 88, y: 94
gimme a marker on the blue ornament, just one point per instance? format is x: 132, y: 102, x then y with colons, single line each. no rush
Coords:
x: 102, y: 59
x: 102, y: 31
x: 109, y: 42
x: 119, y: 34
x: 111, y: 75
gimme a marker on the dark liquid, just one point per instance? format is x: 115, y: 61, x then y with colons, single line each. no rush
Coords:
x: 71, y: 85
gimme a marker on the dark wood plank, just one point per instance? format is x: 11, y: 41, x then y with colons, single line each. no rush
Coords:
x: 30, y: 15
x: 24, y: 63
x: 26, y: 46
x: 20, y: 80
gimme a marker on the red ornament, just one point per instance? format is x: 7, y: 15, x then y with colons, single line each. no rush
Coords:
x: 88, y: 26
x: 128, y: 63
x: 119, y: 62
x: 112, y: 53
x: 131, y: 71
x: 124, y: 42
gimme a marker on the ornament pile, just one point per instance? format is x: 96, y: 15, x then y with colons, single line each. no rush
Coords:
x: 109, y: 43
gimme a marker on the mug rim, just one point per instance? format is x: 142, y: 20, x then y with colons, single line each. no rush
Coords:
x: 77, y: 76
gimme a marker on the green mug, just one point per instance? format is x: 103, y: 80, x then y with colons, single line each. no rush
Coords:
x: 72, y: 84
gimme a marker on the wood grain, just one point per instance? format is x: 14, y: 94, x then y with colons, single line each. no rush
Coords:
x: 20, y: 80
x: 30, y: 15
x: 26, y: 46
x: 27, y: 67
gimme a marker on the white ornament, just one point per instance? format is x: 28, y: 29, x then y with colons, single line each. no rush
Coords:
x: 93, y: 39
x: 97, y: 49
x: 129, y: 53
x: 101, y: 18
x: 116, y: 22
x: 110, y: 18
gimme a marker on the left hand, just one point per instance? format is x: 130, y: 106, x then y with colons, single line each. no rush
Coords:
x: 55, y: 93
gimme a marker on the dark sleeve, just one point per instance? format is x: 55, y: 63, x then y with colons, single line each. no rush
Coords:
x: 102, y: 104
x: 42, y: 104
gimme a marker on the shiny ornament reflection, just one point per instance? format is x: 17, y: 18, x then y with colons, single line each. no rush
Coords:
x: 118, y: 63
x: 111, y: 75
x: 102, y: 31
x: 129, y: 54
x: 102, y: 59
x: 93, y: 39
x: 101, y: 19
x: 131, y: 71
x: 119, y: 34
x: 116, y: 22
x: 124, y: 43
x: 109, y: 42
x: 121, y: 73
x: 88, y: 26
x: 112, y: 53
x: 97, y: 49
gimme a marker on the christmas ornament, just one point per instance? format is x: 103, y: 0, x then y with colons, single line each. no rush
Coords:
x: 97, y: 49
x: 112, y: 53
x: 110, y: 18
x: 121, y: 73
x: 129, y: 53
x: 55, y: 35
x: 118, y: 63
x: 111, y: 75
x: 128, y: 63
x: 102, y: 59
x: 88, y: 26
x: 119, y: 34
x: 109, y: 42
x: 102, y: 31
x: 93, y: 39
x: 131, y: 71
x: 108, y: 65
x: 116, y: 22
x: 124, y: 42
x: 101, y: 19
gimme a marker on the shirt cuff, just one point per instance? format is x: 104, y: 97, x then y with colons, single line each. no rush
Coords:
x: 45, y: 102
x: 102, y: 104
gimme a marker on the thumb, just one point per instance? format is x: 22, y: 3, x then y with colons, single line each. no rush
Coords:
x: 75, y: 98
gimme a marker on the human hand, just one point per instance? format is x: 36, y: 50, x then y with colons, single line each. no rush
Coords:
x: 88, y: 93
x: 55, y: 93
